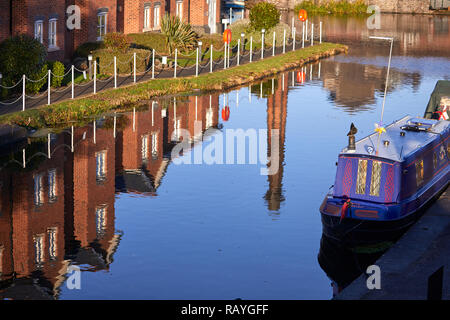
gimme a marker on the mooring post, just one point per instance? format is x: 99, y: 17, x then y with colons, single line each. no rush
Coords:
x: 175, y: 66
x: 293, y: 41
x: 153, y: 64
x: 49, y: 78
x: 273, y: 45
x: 312, y: 34
x: 196, y: 63
x: 23, y: 92
x: 262, y: 43
x: 73, y: 82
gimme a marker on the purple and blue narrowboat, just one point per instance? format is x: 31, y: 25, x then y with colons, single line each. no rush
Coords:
x: 384, y: 180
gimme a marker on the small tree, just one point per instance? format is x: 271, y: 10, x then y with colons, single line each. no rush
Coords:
x: 116, y: 41
x: 264, y: 15
x: 178, y: 33
x: 22, y: 55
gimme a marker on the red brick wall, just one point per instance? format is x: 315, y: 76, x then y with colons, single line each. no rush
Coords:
x: 4, y: 19
x: 132, y: 15
x: 195, y: 12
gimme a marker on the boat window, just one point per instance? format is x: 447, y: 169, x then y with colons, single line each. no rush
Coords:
x: 361, y: 179
x: 375, y: 179
x: 419, y: 172
x: 434, y: 160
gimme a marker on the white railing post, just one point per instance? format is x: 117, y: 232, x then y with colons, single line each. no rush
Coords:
x: 73, y: 80
x: 312, y: 34
x: 211, y: 59
x: 284, y: 41
x: 262, y: 45
x: 228, y: 54
x: 225, y: 56
x: 306, y: 30
x: 274, y: 43
x: 115, y: 72
x: 303, y: 36
x: 115, y: 124
x: 71, y: 140
x: 134, y: 67
x: 320, y: 32
x: 293, y: 41
x: 49, y: 155
x: 292, y: 27
x: 251, y: 48
x: 175, y: 67
x: 95, y: 76
x: 196, y: 64
x: 23, y: 158
x: 23, y: 93
x: 238, y: 50
x: 49, y: 78
x: 153, y: 64
x: 95, y: 132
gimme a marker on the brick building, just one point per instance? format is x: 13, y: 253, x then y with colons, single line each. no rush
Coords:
x: 203, y: 15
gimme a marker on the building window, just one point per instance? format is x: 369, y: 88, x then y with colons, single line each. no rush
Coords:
x: 38, y: 190
x: 100, y: 159
x: 101, y: 25
x: 144, y: 150
x: 177, y: 129
x: 209, y: 118
x: 375, y: 179
x: 100, y: 221
x: 52, y: 33
x: 52, y: 245
x: 38, y: 31
x: 419, y: 172
x: 434, y: 161
x: 155, y: 145
x: 156, y: 14
x: 179, y: 9
x: 52, y: 185
x: 38, y: 249
x: 361, y: 179
x: 147, y: 17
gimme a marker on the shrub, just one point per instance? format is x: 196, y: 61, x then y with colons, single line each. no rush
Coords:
x: 38, y: 80
x: 58, y: 71
x: 116, y: 41
x: 21, y: 55
x: 264, y: 15
x: 341, y: 7
x: 86, y: 48
x: 178, y: 33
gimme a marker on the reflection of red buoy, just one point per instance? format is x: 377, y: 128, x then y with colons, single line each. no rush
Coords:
x: 302, y: 15
x: 300, y: 76
x: 227, y: 36
x: 226, y: 113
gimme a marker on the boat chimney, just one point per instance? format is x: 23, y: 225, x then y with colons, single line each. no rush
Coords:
x: 351, y: 138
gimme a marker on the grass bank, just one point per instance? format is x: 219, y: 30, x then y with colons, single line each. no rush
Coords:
x: 124, y: 98
x: 331, y: 7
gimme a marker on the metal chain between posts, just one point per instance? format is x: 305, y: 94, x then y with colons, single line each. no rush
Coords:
x: 10, y: 103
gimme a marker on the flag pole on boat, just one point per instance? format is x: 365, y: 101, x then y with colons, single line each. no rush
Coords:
x: 379, y: 127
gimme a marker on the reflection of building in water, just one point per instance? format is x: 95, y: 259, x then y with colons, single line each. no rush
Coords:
x: 276, y: 120
x: 59, y: 211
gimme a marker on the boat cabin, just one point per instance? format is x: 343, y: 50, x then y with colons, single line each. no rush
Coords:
x: 409, y: 160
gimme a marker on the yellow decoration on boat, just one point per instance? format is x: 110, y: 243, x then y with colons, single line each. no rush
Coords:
x: 379, y: 129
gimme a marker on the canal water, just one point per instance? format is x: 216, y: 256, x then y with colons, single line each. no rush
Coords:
x: 114, y: 197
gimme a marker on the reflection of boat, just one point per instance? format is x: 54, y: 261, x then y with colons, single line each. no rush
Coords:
x: 439, y: 105
x: 344, y: 264
x: 381, y: 187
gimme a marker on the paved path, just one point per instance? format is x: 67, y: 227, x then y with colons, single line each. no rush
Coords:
x: 406, y: 267
x: 62, y: 94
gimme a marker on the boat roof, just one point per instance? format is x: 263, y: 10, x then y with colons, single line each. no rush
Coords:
x: 400, y: 147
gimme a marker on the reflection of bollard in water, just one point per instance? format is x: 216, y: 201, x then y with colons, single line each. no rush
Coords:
x: 435, y: 285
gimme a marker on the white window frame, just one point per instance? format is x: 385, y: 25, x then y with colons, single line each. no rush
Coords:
x: 52, y: 33
x: 100, y: 165
x: 156, y: 16
x: 144, y: 147
x: 147, y: 17
x: 179, y: 9
x: 102, y: 29
x: 52, y: 243
x: 38, y: 190
x: 39, y: 249
x: 100, y: 220
x: 37, y: 36
x: 155, y: 145
x: 52, y: 194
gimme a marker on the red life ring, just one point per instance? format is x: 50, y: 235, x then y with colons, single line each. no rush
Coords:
x: 227, y: 36
x: 226, y: 113
x: 302, y: 15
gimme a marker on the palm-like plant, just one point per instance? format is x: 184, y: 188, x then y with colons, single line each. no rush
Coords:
x: 178, y: 33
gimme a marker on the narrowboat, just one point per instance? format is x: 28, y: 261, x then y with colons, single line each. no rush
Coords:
x: 384, y: 180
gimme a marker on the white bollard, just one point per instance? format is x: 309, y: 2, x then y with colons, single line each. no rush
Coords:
x: 293, y: 41
x: 71, y: 139
x: 225, y: 56
x: 292, y: 27
x: 73, y: 82
x: 49, y: 78
x: 115, y: 124
x: 284, y: 41
x: 196, y: 64
x: 95, y: 76
x: 134, y: 67
x: 23, y: 158
x: 49, y: 155
x: 273, y: 45
x: 251, y: 48
x: 153, y: 64
x: 175, y: 66
x: 303, y: 36
x: 320, y: 32
x: 211, y: 59
x: 95, y: 132
x: 262, y: 45
x: 228, y: 55
x: 23, y: 94
x: 115, y: 72
x: 306, y: 30
x: 134, y: 118
x: 238, y: 50
x: 312, y: 34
